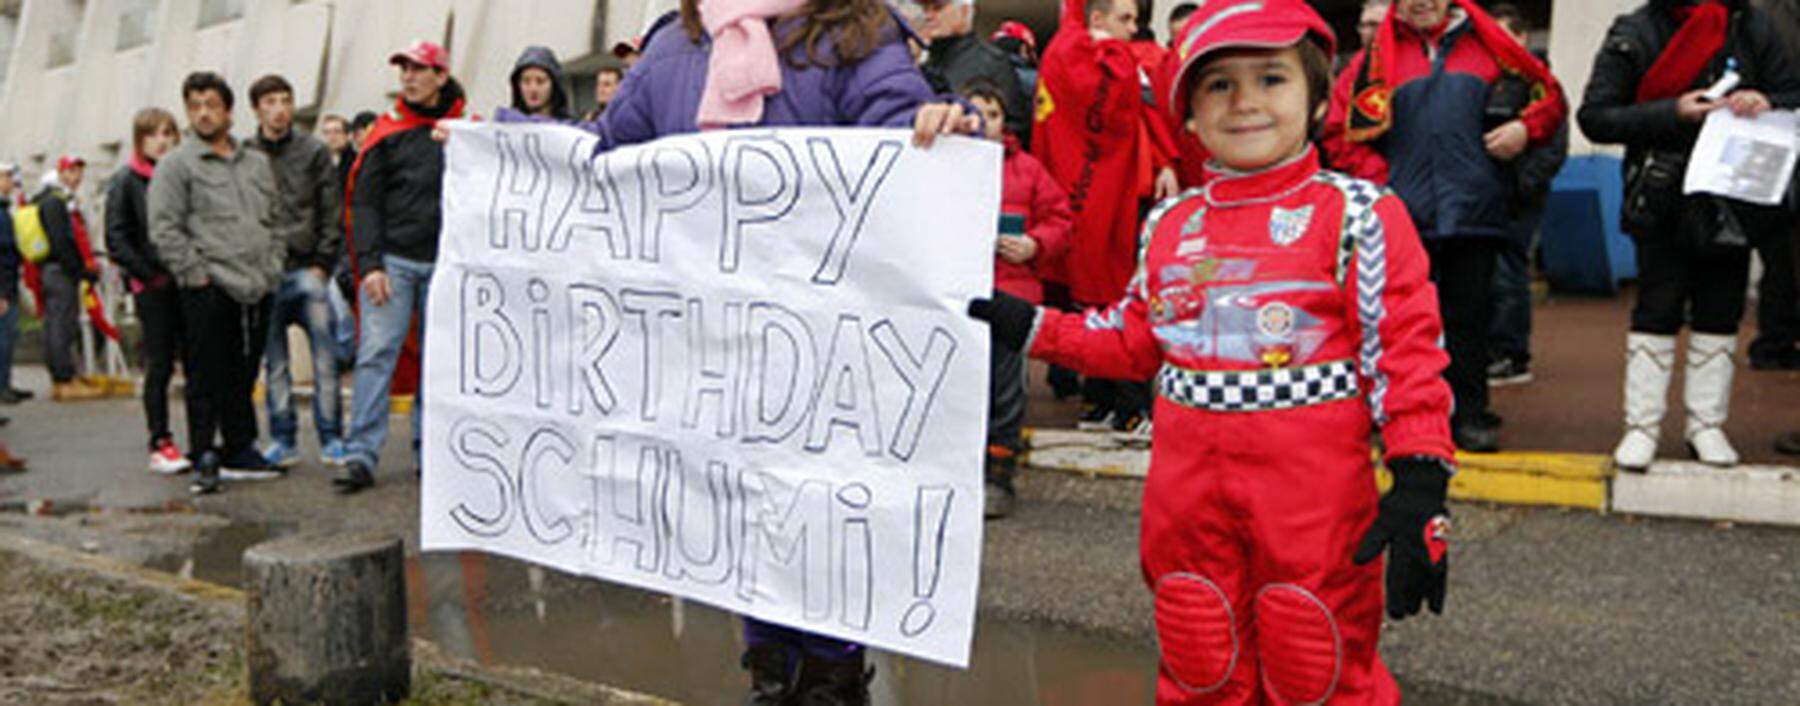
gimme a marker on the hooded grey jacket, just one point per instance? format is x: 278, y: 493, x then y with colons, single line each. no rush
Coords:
x: 311, y: 199
x: 212, y: 219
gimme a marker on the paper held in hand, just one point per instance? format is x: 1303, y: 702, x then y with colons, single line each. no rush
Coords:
x: 732, y: 366
x: 1746, y: 159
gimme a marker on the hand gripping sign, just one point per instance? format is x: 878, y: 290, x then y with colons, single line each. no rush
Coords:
x: 731, y: 366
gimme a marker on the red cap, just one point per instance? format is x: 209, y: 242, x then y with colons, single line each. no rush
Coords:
x: 1015, y: 29
x: 1227, y: 24
x: 624, y: 48
x: 423, y: 53
x: 68, y: 160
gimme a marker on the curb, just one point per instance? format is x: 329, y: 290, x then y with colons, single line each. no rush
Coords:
x: 1768, y: 495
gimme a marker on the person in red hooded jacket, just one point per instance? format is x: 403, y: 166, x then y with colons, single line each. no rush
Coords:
x: 1095, y: 132
x: 1287, y: 313
x: 1034, y: 235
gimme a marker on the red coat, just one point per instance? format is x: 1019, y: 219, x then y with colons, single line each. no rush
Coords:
x: 1028, y: 190
x: 1099, y: 139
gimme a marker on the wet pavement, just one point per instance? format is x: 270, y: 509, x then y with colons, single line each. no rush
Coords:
x: 1546, y: 606
x: 1574, y: 403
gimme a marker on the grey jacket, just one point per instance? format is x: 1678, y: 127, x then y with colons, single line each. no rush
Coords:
x: 213, y: 218
x: 312, y: 201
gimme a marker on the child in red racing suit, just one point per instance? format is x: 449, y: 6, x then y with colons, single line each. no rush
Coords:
x: 1285, y: 311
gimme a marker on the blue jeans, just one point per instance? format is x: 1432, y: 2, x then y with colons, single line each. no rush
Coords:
x: 383, y: 331
x: 343, y: 325
x: 9, y: 335
x: 1509, y: 333
x: 301, y: 299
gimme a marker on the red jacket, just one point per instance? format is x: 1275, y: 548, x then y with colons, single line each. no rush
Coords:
x: 1028, y: 190
x: 1260, y: 275
x: 1099, y: 139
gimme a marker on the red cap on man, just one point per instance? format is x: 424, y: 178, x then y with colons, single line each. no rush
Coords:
x: 69, y: 161
x: 424, y: 53
x: 1014, y: 29
x: 1255, y: 24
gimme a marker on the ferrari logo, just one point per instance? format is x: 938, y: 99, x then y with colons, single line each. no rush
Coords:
x: 1045, y: 104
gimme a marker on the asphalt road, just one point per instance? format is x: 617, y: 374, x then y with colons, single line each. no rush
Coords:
x: 1545, y: 607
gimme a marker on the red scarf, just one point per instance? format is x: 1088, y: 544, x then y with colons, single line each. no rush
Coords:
x: 1371, y: 103
x: 393, y: 122
x: 1701, y: 36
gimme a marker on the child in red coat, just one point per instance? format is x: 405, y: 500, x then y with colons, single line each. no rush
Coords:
x: 1286, y: 312
x: 1034, y: 237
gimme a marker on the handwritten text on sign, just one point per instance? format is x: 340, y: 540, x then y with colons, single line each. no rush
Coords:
x: 731, y: 366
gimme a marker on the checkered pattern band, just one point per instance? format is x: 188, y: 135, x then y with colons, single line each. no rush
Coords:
x: 1258, y: 390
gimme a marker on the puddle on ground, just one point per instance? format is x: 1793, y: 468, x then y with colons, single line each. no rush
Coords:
x: 498, y: 611
x: 527, y: 616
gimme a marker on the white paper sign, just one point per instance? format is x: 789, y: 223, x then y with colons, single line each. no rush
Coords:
x: 1746, y: 159
x: 732, y: 366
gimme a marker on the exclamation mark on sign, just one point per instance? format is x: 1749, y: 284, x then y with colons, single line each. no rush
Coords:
x: 930, y: 517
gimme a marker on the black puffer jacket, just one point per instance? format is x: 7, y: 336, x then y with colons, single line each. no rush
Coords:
x: 128, y: 226
x: 1610, y: 112
x: 955, y: 62
x: 542, y: 58
x: 399, y: 192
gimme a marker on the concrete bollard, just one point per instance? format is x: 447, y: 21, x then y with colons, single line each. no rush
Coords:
x: 327, y: 620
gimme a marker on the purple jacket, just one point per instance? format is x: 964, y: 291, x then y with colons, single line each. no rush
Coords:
x: 661, y: 94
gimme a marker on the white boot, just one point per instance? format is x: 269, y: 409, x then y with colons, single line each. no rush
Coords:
x: 1649, y: 362
x: 1708, y: 397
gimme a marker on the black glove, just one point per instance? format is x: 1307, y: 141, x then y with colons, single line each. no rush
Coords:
x: 1411, y: 525
x: 1009, y: 317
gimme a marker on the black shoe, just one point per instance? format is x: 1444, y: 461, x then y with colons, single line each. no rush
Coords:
x: 1475, y: 439
x: 773, y: 681
x: 1788, y: 443
x: 835, y: 682
x: 206, y: 475
x: 1096, y: 418
x: 356, y: 478
x: 21, y: 394
x: 999, y: 498
x: 1508, y: 371
x: 1489, y: 420
x: 249, y: 464
x: 11, y: 397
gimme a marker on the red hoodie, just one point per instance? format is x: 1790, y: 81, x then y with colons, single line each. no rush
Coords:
x: 1028, y: 190
x: 1098, y: 138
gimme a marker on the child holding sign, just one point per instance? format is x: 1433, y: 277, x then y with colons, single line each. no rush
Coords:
x: 774, y: 63
x: 1285, y: 310
x: 1034, y: 234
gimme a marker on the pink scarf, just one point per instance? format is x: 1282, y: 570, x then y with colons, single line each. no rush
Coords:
x: 143, y: 167
x: 744, y: 67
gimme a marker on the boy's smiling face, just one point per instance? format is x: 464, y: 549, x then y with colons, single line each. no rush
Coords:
x: 1249, y: 106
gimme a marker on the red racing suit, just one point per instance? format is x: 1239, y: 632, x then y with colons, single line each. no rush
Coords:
x: 1285, y: 314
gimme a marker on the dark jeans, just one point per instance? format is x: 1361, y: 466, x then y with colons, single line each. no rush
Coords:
x: 9, y: 336
x: 1006, y: 397
x: 159, y: 311
x: 1463, y: 270
x: 1679, y: 285
x: 757, y: 632
x: 1777, y: 321
x: 1510, y: 334
x: 225, y: 340
x: 62, y: 321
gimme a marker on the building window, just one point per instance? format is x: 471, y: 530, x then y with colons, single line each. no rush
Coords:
x: 66, y: 35
x: 137, y: 21
x: 9, y: 30
x: 214, y: 12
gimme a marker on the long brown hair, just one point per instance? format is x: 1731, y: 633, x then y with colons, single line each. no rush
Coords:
x: 148, y: 122
x: 856, y: 28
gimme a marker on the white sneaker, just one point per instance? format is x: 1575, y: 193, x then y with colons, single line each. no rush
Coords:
x: 168, y: 460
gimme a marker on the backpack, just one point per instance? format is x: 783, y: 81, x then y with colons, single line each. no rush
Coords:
x: 28, y: 232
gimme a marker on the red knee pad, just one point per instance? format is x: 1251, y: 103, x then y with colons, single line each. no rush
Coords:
x: 1196, y: 632
x: 1301, y: 651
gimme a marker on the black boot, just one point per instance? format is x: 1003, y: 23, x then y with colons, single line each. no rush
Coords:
x: 835, y: 682
x: 206, y: 474
x: 772, y: 675
x: 1002, y: 463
